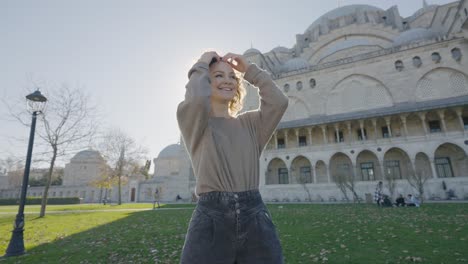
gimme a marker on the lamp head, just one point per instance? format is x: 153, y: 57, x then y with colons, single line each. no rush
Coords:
x: 36, y: 101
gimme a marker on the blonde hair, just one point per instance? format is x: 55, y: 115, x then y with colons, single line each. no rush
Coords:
x: 236, y: 104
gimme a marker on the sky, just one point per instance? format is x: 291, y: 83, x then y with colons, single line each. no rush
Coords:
x: 132, y: 57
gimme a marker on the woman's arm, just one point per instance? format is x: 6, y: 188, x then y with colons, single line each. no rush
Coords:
x: 193, y: 112
x: 273, y: 103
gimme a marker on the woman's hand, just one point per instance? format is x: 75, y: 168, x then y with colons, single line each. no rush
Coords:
x: 237, y: 62
x: 208, y: 56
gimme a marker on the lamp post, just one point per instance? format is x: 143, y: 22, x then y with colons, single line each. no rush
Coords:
x: 36, y: 103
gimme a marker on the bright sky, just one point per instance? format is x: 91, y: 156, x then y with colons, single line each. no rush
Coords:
x: 132, y: 57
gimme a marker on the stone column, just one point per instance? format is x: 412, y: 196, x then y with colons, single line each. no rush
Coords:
x: 314, y: 175
x: 382, y: 170
x: 387, y: 121
x: 275, y: 138
x: 337, y: 133
x: 296, y: 131
x: 324, y: 132
x: 285, y: 138
x: 405, y: 128
x: 422, y: 116
x: 350, y: 132
x: 441, y: 114
x: 309, y: 132
x: 361, y: 124
x: 328, y: 174
x: 433, y: 168
x: 459, y: 112
x: 374, y: 124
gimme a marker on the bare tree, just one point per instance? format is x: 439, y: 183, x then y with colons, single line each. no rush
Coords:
x: 391, y: 183
x: 418, y: 180
x: 104, y: 183
x: 339, y: 178
x: 14, y: 170
x: 67, y: 124
x: 345, y: 180
x: 303, y: 179
x: 123, y: 154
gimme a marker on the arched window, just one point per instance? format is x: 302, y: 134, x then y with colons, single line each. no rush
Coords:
x: 286, y: 88
x: 299, y: 85
x: 417, y: 62
x: 399, y: 65
x: 312, y: 83
x: 456, y: 54
x: 436, y: 57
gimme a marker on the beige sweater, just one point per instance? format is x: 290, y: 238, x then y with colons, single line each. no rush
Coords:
x: 225, y: 152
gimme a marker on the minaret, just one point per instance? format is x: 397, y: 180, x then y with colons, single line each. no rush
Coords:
x: 425, y: 4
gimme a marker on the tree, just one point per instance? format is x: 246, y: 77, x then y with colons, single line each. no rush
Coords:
x: 68, y: 123
x: 14, y: 170
x: 303, y: 179
x: 344, y: 180
x: 418, y: 179
x: 105, y: 182
x: 391, y: 183
x: 123, y: 154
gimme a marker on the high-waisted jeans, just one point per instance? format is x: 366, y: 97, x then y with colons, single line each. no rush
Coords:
x: 231, y: 227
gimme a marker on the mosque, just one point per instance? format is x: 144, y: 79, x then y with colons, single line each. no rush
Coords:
x: 373, y: 96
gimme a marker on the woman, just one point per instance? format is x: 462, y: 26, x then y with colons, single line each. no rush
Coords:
x: 230, y: 223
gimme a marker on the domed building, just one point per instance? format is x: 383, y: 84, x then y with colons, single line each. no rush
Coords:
x: 373, y: 96
x: 83, y: 168
x: 173, y: 177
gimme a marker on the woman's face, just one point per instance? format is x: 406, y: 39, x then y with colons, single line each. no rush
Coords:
x: 223, y: 82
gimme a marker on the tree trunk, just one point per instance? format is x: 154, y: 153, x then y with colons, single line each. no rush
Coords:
x: 49, y: 180
x: 120, y: 190
x: 307, y: 191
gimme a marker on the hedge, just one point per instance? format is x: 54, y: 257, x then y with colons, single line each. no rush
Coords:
x: 37, y: 200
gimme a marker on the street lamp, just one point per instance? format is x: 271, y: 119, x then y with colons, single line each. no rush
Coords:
x: 36, y: 103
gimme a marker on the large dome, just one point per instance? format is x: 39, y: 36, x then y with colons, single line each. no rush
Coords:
x: 251, y: 52
x: 342, y: 11
x: 171, y: 151
x: 281, y: 49
x: 414, y: 35
x: 87, y: 156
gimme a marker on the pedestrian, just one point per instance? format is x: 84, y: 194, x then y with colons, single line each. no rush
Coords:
x: 378, y: 198
x: 230, y: 223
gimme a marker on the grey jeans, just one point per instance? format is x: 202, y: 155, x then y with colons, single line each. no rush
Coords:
x: 231, y: 227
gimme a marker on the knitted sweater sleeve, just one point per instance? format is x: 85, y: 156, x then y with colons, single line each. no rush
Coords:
x: 193, y: 112
x: 273, y: 104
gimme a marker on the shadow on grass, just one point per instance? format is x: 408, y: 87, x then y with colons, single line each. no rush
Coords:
x: 435, y: 233
x: 138, y: 237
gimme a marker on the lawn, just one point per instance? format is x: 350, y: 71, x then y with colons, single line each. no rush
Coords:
x: 434, y: 233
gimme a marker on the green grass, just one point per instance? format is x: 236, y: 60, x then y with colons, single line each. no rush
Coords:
x: 434, y: 233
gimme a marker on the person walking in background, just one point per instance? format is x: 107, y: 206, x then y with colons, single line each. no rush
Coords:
x: 230, y: 223
x: 378, y: 198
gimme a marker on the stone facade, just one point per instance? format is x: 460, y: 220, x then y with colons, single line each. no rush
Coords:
x: 373, y: 96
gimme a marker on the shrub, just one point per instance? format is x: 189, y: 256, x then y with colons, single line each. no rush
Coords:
x: 37, y: 200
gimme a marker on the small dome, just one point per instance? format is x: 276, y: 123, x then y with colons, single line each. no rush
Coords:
x: 340, y: 12
x: 87, y: 156
x: 171, y: 151
x: 251, y: 52
x: 414, y: 35
x: 281, y: 49
x: 295, y: 64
